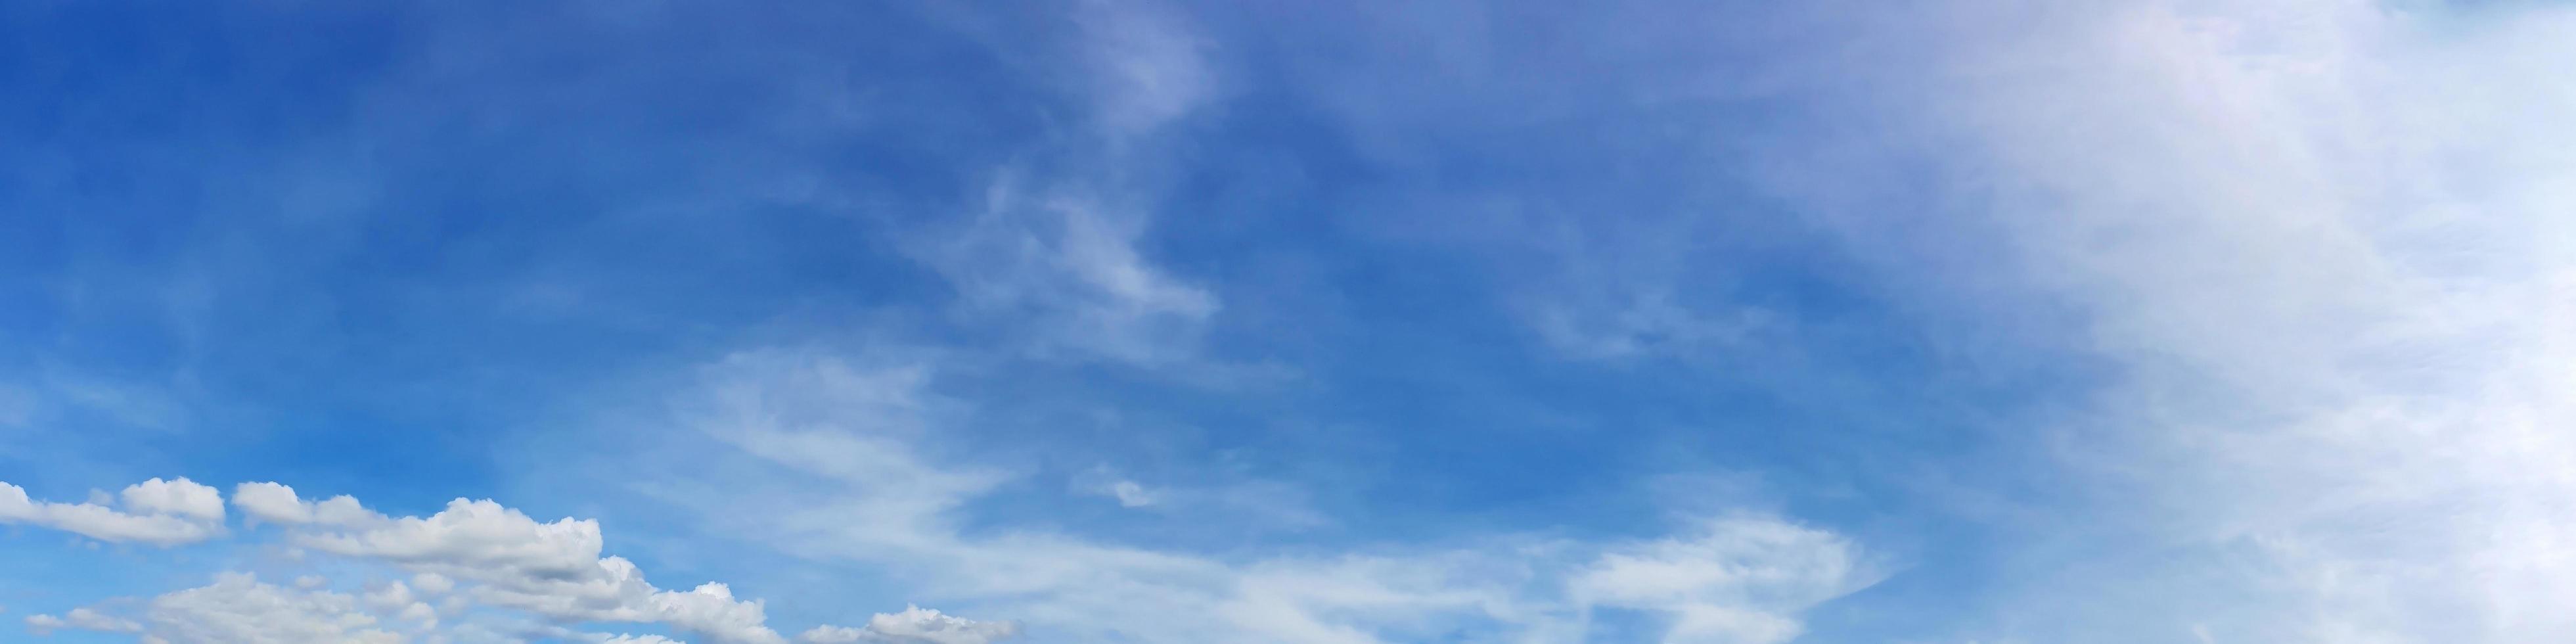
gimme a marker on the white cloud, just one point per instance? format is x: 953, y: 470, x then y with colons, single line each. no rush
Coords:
x: 238, y: 608
x: 275, y: 503
x: 396, y: 600
x: 1737, y: 580
x: 481, y: 537
x: 1063, y: 266
x: 551, y: 569
x: 478, y: 555
x: 1131, y: 494
x: 1638, y: 324
x: 633, y: 639
x: 1235, y: 501
x: 82, y: 619
x: 829, y: 634
x: 711, y: 610
x: 818, y: 423
x: 179, y: 497
x: 1146, y: 67
x: 161, y: 513
x: 915, y: 625
x: 432, y: 583
x: 505, y: 559
x: 2326, y: 244
x: 883, y: 505
x: 1102, y: 481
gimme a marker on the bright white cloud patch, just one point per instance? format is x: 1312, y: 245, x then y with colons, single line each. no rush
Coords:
x: 1735, y: 580
x: 2327, y: 244
x: 915, y: 625
x: 240, y: 608
x: 180, y: 497
x: 278, y: 504
x: 473, y: 558
x: 550, y: 569
x: 81, y: 619
x: 157, y: 512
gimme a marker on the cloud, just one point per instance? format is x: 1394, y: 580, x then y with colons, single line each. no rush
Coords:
x: 915, y: 625
x: 711, y: 610
x: 474, y: 557
x: 1130, y: 494
x: 1103, y: 481
x: 551, y: 569
x: 1063, y: 267
x: 81, y: 619
x: 633, y: 639
x: 432, y: 583
x: 161, y: 513
x: 1146, y: 66
x: 478, y: 537
x: 2323, y: 244
x: 1053, y: 252
x: 278, y: 504
x: 239, y: 608
x: 852, y: 430
x: 1645, y: 324
x: 180, y: 497
x: 1736, y: 580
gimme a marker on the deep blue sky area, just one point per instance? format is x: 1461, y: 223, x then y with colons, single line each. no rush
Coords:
x: 1143, y: 322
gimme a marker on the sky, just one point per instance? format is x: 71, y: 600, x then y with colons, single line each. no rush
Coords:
x: 1141, y: 322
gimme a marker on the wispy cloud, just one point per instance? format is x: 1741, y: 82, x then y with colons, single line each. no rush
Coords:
x: 912, y: 526
x: 2327, y: 252
x: 1063, y: 268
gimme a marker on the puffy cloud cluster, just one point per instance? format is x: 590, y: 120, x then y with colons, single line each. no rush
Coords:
x: 276, y: 503
x: 240, y: 608
x: 82, y: 619
x: 915, y: 625
x: 156, y: 512
x: 471, y: 558
x: 554, y: 570
x: 1738, y: 579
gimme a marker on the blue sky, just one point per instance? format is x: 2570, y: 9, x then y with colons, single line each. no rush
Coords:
x: 1928, y: 321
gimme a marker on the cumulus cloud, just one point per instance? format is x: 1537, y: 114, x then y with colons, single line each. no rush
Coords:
x: 180, y: 497
x: 240, y: 608
x: 157, y: 512
x: 475, y: 557
x: 432, y: 583
x: 274, y: 503
x: 1735, y: 580
x: 81, y: 619
x: 553, y: 569
x: 915, y: 625
x: 480, y: 537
